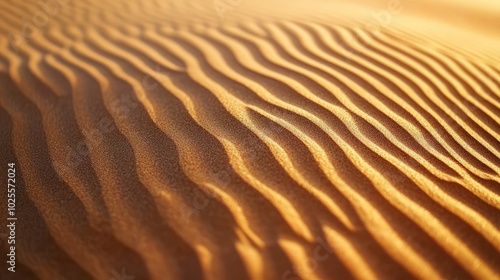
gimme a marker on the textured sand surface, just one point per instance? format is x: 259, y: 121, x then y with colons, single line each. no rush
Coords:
x: 252, y: 139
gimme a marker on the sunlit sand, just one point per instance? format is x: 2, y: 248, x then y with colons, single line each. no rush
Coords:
x: 252, y: 139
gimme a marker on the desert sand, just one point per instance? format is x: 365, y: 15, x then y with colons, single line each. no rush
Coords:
x: 250, y: 139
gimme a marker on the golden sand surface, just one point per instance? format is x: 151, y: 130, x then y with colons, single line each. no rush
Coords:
x: 251, y: 139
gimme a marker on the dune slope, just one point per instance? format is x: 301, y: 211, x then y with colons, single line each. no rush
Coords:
x: 247, y: 140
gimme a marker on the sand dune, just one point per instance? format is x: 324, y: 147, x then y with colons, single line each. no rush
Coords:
x: 252, y: 140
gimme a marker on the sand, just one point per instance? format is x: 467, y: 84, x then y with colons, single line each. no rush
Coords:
x: 251, y: 139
